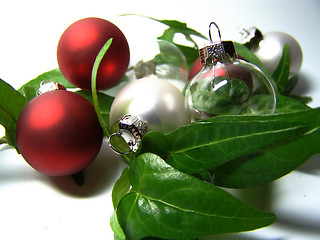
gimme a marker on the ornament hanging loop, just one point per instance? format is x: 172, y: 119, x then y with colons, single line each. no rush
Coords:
x: 119, y: 134
x: 218, y: 29
x: 131, y: 129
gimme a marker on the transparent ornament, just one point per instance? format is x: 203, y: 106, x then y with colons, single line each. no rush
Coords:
x: 226, y: 85
x: 164, y: 60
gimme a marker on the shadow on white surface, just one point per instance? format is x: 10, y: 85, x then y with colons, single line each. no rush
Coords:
x: 98, y: 177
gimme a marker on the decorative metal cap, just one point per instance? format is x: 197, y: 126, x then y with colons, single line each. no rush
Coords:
x: 251, y: 37
x: 217, y: 51
x: 48, y: 86
x: 131, y: 129
x: 221, y: 51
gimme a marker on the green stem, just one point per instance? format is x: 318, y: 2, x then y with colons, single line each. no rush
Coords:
x: 96, y: 65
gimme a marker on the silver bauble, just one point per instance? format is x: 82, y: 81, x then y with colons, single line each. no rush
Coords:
x: 270, y: 51
x: 152, y: 100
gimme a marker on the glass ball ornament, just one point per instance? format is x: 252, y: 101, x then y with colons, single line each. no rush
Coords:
x: 147, y: 104
x: 226, y: 85
x: 268, y: 48
x: 164, y: 60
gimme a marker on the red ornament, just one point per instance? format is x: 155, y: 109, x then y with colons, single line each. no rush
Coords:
x: 196, y: 67
x: 79, y: 45
x: 58, y: 133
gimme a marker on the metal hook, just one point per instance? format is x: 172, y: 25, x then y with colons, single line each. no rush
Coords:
x: 213, y: 23
x: 130, y: 143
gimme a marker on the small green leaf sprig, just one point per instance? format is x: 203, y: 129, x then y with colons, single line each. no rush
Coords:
x: 172, y: 187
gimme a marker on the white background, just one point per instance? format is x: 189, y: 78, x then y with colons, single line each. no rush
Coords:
x: 39, y: 207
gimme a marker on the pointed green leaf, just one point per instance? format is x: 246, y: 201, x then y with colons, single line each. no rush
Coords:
x: 206, y: 145
x: 203, y: 146
x: 282, y: 72
x: 190, y: 53
x: 252, y: 170
x: 289, y: 104
x: 170, y: 204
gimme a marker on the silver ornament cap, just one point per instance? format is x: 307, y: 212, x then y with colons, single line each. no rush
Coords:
x: 131, y: 129
x: 251, y: 37
x: 223, y: 52
x: 48, y: 86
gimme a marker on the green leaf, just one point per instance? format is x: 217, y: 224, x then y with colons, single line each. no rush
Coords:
x: 259, y: 104
x: 206, y: 145
x: 11, y: 105
x: 54, y: 75
x: 105, y: 102
x: 289, y: 104
x: 116, y: 228
x: 121, y: 187
x: 281, y: 159
x: 266, y: 165
x: 190, y: 53
x: 292, y: 82
x: 170, y: 204
x: 224, y: 100
x: 176, y: 27
x: 282, y: 72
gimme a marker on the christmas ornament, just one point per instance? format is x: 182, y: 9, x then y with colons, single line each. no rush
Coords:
x: 147, y: 104
x: 268, y: 48
x: 58, y: 133
x: 196, y: 67
x: 48, y: 86
x: 164, y: 60
x: 79, y: 45
x: 226, y: 85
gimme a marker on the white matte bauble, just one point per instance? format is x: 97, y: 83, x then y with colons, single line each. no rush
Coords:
x: 270, y: 51
x: 155, y: 101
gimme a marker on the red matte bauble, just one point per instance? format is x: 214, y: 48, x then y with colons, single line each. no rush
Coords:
x: 58, y: 133
x: 195, y: 68
x: 79, y: 45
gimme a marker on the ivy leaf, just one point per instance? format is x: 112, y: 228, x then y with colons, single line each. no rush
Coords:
x: 229, y: 140
x: 282, y: 72
x: 116, y: 228
x: 121, y: 187
x: 54, y: 75
x: 166, y: 203
x: 11, y: 105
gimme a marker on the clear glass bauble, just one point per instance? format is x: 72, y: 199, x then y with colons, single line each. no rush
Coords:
x: 164, y: 60
x: 160, y: 58
x: 229, y: 88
